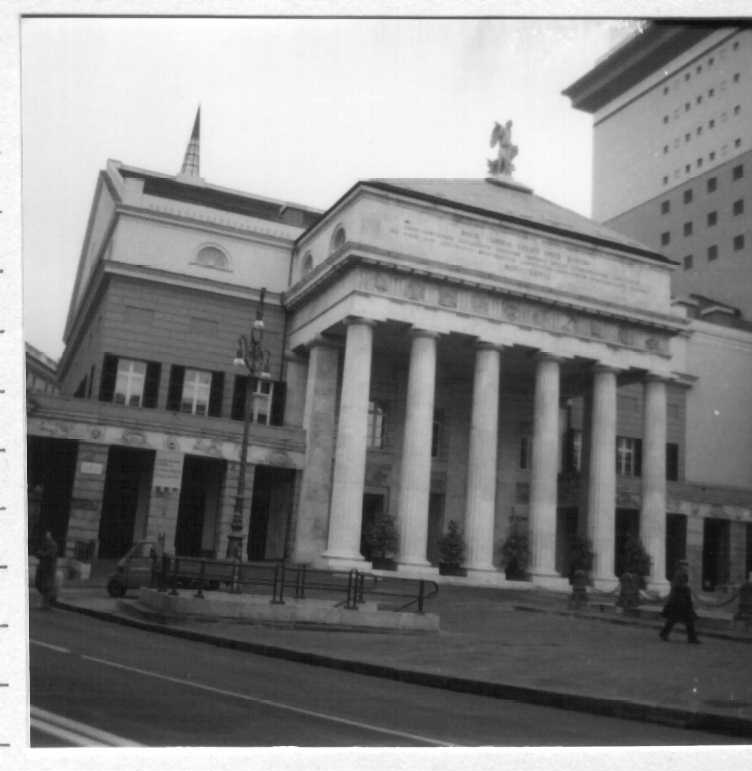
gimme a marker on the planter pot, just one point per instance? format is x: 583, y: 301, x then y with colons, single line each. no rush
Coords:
x: 446, y: 569
x: 383, y: 563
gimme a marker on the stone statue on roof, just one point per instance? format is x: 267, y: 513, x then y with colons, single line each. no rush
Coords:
x: 502, y: 136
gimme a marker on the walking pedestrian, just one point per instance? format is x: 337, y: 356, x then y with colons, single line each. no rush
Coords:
x: 679, y: 607
x: 46, y: 570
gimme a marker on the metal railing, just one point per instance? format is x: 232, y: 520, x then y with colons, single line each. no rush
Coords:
x: 350, y: 588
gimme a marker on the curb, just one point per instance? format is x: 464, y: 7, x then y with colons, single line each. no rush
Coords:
x: 618, y: 708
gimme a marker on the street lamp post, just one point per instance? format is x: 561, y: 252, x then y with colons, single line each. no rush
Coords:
x: 252, y: 355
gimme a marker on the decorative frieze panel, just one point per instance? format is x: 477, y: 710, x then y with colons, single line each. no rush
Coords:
x: 518, y: 311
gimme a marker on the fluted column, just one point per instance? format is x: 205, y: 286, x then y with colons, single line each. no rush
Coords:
x: 544, y: 468
x: 415, y: 479
x: 346, y: 509
x: 653, y: 513
x: 602, y: 475
x: 481, y: 465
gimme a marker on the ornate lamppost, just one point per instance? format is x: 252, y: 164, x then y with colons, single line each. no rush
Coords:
x: 252, y: 355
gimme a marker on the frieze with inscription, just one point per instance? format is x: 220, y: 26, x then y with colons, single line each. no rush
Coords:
x: 521, y: 312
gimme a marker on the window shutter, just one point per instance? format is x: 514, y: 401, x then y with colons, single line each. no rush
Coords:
x: 672, y: 462
x: 109, y: 375
x: 151, y: 383
x: 215, y: 394
x: 277, y: 418
x: 175, y: 388
x: 91, y: 382
x: 80, y: 392
x: 238, y: 397
x: 638, y: 457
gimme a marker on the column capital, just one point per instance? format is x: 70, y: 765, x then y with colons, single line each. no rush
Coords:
x: 423, y: 332
x: 322, y: 341
x: 542, y: 355
x: 604, y: 369
x: 352, y: 320
x: 656, y: 377
x: 485, y: 345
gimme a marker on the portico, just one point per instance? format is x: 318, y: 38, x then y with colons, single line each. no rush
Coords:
x: 479, y: 321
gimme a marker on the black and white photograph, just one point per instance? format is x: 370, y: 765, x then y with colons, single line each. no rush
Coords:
x: 387, y: 387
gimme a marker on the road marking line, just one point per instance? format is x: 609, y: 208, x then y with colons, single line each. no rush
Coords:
x: 73, y: 730
x: 57, y: 648
x: 270, y: 703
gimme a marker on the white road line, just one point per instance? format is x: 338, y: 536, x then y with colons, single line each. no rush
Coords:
x: 81, y: 734
x: 269, y: 703
x: 50, y: 646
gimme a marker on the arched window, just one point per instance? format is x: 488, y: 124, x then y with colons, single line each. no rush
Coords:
x: 307, y: 263
x: 212, y: 257
x: 338, y: 239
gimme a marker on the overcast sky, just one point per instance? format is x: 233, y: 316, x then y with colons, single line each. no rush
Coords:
x: 291, y: 109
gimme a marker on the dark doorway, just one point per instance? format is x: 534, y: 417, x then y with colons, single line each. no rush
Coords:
x: 198, y: 507
x: 676, y: 542
x: 566, y: 530
x: 435, y: 526
x: 715, y: 553
x: 627, y: 525
x: 127, y: 490
x: 51, y: 469
x: 373, y: 507
x: 271, y: 509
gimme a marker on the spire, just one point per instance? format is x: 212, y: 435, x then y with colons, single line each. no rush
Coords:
x: 191, y: 160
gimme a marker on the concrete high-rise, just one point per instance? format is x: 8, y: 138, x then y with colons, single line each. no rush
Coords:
x: 672, y: 158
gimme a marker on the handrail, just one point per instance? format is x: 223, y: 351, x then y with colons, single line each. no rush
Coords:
x: 353, y: 587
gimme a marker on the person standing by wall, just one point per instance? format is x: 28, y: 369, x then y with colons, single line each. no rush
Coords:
x: 46, y: 570
x: 679, y: 606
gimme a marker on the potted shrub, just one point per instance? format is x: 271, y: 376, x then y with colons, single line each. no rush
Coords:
x: 452, y: 551
x: 382, y: 539
x: 580, y: 556
x: 515, y: 554
x: 636, y: 560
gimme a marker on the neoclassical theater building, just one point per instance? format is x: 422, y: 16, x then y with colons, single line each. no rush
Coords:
x: 441, y: 349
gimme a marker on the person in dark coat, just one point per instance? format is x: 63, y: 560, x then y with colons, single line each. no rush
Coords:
x: 46, y: 569
x: 679, y: 607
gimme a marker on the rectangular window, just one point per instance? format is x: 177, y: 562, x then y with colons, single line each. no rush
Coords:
x: 628, y: 456
x: 665, y: 207
x: 672, y: 462
x: 376, y: 425
x: 265, y: 396
x: 712, y: 218
x: 712, y: 184
x: 437, y: 434
x: 738, y: 171
x: 688, y: 196
x: 687, y: 228
x: 665, y: 238
x: 196, y: 389
x: 712, y: 253
x: 688, y: 262
x: 739, y: 206
x: 738, y: 243
x: 129, y: 383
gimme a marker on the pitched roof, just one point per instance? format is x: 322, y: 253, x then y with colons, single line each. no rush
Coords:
x: 513, y: 202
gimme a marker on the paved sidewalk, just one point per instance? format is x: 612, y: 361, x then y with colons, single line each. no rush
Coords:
x: 520, y: 645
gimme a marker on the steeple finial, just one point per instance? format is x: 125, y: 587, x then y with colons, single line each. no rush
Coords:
x: 191, y: 161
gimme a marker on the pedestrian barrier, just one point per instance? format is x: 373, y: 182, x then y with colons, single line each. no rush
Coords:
x: 350, y: 587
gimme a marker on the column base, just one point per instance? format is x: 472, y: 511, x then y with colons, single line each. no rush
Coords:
x: 411, y: 570
x: 603, y: 584
x: 662, y: 588
x: 551, y: 581
x: 332, y: 561
x: 486, y: 577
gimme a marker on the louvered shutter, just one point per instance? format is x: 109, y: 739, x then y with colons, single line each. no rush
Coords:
x: 215, y: 394
x: 151, y: 383
x: 175, y: 389
x: 109, y: 375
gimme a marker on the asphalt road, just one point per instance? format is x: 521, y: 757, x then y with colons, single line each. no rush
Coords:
x: 94, y: 682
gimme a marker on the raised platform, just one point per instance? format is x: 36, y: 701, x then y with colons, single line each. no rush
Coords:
x: 253, y: 609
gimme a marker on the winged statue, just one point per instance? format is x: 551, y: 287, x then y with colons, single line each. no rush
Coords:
x: 502, y: 136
